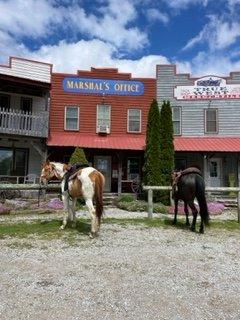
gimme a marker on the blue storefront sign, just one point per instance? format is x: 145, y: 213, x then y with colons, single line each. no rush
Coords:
x: 100, y: 86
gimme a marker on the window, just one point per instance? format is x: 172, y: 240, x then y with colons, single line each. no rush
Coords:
x: 134, y: 120
x: 26, y: 105
x: 13, y: 161
x: 103, y: 117
x: 176, y: 116
x: 133, y: 168
x: 6, y: 157
x: 211, y: 125
x: 72, y: 118
x: 4, y: 101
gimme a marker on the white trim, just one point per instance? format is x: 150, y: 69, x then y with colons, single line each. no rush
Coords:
x: 205, y: 121
x: 180, y: 121
x: 140, y: 120
x: 110, y: 110
x: 65, y: 109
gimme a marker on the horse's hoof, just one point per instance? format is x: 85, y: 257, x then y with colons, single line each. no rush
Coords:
x: 93, y: 235
x: 187, y: 224
x: 201, y: 231
x: 62, y: 227
x: 174, y: 222
x: 192, y: 229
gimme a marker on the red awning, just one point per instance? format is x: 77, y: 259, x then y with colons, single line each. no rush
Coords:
x: 123, y: 142
x: 208, y: 144
x: 127, y: 142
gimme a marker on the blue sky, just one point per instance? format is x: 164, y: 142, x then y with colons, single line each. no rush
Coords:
x: 200, y: 36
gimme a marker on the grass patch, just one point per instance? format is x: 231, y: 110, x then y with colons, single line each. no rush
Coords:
x: 50, y: 229
x: 46, y: 229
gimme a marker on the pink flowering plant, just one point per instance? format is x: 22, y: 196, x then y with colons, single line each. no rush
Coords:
x: 4, y: 209
x: 213, y: 207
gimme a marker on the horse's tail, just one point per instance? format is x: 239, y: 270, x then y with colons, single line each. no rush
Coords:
x: 201, y: 198
x: 99, y: 185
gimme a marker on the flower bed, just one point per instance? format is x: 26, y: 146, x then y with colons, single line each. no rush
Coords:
x: 213, y: 207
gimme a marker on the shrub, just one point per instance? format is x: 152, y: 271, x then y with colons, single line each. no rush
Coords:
x: 78, y: 156
x: 126, y: 198
x: 139, y: 205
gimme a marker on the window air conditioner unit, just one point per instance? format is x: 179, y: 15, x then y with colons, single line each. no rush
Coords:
x: 103, y: 129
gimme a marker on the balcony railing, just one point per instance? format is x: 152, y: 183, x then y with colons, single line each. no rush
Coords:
x: 13, y: 121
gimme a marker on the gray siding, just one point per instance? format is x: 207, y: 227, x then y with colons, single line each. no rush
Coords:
x: 193, y: 111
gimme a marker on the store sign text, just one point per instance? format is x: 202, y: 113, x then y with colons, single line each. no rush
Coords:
x: 208, y: 88
x: 86, y: 85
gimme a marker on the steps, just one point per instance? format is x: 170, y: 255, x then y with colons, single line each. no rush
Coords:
x: 108, y: 199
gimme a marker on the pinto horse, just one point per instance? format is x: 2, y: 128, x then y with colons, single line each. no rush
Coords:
x: 87, y: 183
x: 188, y: 185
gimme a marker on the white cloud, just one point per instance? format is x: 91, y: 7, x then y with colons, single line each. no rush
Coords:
x: 183, y: 4
x: 28, y: 17
x: 83, y: 55
x: 213, y: 64
x: 40, y: 19
x: 10, y: 47
x: 217, y: 33
x: 156, y: 15
x: 112, y: 26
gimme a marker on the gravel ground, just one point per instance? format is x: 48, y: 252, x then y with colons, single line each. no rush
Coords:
x: 128, y: 272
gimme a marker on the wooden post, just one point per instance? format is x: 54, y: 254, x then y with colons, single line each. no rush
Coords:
x: 238, y: 202
x: 150, y: 203
x: 120, y: 173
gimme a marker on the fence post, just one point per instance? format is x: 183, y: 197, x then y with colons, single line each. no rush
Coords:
x: 150, y: 203
x: 238, y: 203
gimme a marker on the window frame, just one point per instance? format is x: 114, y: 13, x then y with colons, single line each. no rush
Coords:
x: 140, y: 120
x: 97, y: 117
x: 180, y: 120
x: 65, y: 117
x: 205, y: 121
x: 128, y: 168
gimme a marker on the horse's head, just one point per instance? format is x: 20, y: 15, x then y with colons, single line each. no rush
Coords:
x: 48, y: 172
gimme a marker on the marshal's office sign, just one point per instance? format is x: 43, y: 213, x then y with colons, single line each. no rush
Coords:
x: 208, y: 88
x: 100, y: 86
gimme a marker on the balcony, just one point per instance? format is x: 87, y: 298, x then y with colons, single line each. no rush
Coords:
x: 18, y: 122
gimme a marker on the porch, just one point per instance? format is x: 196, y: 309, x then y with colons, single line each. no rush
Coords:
x: 15, y: 121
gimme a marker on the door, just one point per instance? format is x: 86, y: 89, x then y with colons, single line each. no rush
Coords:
x: 215, y: 172
x: 20, y: 162
x: 103, y: 164
x: 26, y: 118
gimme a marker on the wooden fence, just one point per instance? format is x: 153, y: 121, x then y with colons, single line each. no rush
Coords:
x: 150, y: 190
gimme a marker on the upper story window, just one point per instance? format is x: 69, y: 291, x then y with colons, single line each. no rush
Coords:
x: 177, y: 120
x: 4, y: 101
x: 211, y: 120
x: 72, y: 118
x: 103, y: 118
x: 26, y: 105
x: 134, y: 120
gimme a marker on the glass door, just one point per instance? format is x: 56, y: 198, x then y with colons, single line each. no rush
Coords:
x: 103, y: 164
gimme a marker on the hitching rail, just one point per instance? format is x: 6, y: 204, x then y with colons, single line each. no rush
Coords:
x: 12, y: 186
x: 150, y: 189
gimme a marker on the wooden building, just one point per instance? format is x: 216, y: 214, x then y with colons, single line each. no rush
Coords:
x: 105, y: 113
x: 24, y: 101
x: 206, y: 117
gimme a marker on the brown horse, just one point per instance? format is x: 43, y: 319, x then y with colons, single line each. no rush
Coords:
x: 87, y: 183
